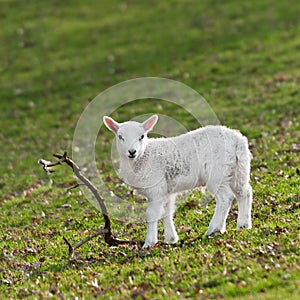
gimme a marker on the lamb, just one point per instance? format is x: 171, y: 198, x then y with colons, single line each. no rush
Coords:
x: 159, y: 168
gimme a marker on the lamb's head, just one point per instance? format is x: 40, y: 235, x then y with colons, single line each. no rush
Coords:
x: 131, y: 136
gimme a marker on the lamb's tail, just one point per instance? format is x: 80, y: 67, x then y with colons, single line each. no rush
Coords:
x: 243, y: 157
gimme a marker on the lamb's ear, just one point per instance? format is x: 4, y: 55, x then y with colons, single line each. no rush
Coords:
x: 149, y: 123
x: 111, y: 124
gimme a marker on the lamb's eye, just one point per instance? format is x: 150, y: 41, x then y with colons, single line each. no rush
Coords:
x: 142, y: 136
x: 120, y: 137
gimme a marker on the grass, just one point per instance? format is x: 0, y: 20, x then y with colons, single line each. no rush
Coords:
x: 57, y: 56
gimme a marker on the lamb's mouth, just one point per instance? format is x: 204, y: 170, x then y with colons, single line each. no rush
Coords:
x: 132, y: 156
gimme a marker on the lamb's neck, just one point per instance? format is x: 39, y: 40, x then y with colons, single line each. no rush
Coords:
x: 134, y: 166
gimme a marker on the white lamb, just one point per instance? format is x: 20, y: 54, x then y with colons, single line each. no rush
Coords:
x: 159, y: 168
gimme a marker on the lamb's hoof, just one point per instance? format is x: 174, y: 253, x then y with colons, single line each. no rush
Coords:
x: 171, y: 239
x: 211, y: 232
x: 148, y: 245
x: 244, y: 226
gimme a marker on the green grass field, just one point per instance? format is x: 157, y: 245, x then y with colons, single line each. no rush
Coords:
x: 56, y: 56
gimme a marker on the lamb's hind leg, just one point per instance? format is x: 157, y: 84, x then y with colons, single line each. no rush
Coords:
x: 244, y: 200
x: 224, y: 198
x: 171, y: 236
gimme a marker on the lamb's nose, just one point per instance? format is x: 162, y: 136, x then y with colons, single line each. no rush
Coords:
x: 132, y: 152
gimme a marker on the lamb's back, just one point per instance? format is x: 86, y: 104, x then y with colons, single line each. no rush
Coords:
x: 208, y: 138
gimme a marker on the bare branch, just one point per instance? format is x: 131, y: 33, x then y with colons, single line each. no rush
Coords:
x: 74, y: 186
x: 108, y: 237
x: 71, y: 249
x: 98, y: 232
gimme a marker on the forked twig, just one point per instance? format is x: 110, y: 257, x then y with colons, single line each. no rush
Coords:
x: 99, y: 231
x: 75, y: 186
x: 108, y: 236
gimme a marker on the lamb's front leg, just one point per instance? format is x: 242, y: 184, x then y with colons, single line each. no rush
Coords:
x: 171, y: 236
x: 153, y: 214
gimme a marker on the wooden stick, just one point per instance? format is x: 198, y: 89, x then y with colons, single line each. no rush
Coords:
x: 108, y: 236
